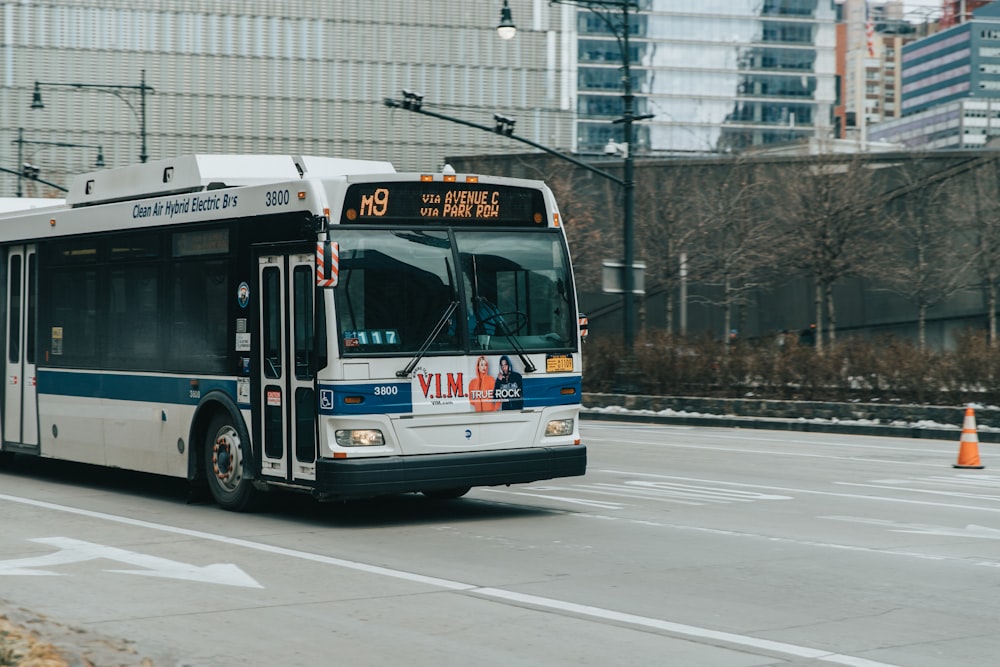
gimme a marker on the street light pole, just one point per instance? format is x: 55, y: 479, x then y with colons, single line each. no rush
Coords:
x: 112, y: 89
x: 504, y: 127
x: 22, y: 166
x: 26, y: 170
x: 628, y: 115
x: 34, y: 178
x: 20, y: 160
x: 506, y: 30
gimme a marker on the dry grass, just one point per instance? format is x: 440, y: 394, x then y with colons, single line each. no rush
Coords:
x: 31, y: 640
x: 20, y: 647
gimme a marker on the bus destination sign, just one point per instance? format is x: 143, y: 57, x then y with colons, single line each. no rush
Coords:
x: 428, y: 202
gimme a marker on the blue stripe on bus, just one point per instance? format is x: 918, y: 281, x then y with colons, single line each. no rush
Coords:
x: 375, y: 397
x: 146, y: 388
x: 366, y: 399
x: 397, y: 397
x: 540, y: 392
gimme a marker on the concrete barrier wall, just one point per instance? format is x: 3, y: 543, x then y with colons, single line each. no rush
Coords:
x: 892, y: 414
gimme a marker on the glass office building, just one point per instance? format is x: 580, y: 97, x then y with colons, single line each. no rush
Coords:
x: 718, y: 75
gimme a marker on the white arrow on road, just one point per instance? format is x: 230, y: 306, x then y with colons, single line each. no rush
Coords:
x: 78, y: 551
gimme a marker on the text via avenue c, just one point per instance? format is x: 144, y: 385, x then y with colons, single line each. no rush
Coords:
x: 182, y: 205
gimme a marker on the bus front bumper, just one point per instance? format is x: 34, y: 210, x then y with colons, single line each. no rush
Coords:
x: 338, y: 479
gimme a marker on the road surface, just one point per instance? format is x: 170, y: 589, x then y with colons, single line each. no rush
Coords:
x: 683, y: 546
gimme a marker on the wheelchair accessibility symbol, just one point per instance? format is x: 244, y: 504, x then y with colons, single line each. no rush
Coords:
x: 326, y: 399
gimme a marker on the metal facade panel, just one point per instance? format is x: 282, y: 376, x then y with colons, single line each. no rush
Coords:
x: 306, y: 76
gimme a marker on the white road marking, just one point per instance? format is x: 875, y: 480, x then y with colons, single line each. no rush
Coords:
x: 577, y: 501
x: 668, y: 492
x: 879, y: 551
x: 680, y: 628
x: 989, y: 481
x: 633, y: 620
x: 971, y: 530
x: 788, y: 453
x: 782, y: 489
x: 915, y: 448
x: 932, y: 492
x: 705, y: 493
x: 78, y: 551
x: 622, y: 491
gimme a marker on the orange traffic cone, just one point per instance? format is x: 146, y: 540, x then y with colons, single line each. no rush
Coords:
x: 968, y: 446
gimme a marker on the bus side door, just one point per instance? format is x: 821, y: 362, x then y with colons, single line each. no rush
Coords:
x: 287, y: 394
x: 20, y: 415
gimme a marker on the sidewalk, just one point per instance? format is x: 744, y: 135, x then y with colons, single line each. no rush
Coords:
x: 901, y: 421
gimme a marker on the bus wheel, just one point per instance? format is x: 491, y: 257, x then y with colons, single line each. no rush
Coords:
x: 225, y: 467
x: 447, y: 494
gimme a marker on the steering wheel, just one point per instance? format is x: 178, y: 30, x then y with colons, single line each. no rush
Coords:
x: 510, y: 322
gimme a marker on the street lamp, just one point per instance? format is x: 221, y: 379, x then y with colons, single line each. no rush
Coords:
x: 605, y: 10
x: 112, y: 89
x: 412, y: 101
x: 30, y: 171
x: 614, y: 148
x: 504, y: 125
x: 506, y: 29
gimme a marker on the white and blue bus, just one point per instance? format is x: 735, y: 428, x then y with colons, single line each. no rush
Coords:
x: 315, y: 324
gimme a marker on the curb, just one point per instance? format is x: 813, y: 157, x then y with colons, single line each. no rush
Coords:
x: 774, y: 424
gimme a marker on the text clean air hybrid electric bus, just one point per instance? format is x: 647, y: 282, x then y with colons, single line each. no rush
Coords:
x: 317, y: 324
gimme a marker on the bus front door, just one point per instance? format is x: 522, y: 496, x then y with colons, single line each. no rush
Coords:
x: 287, y: 394
x: 20, y: 415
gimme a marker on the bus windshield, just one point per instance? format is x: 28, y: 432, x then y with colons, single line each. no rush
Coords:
x: 513, y: 290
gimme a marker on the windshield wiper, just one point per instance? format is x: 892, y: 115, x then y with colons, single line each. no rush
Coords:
x: 427, y: 343
x: 528, y: 366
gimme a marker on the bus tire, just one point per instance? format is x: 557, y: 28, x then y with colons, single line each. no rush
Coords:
x: 447, y: 494
x: 226, y: 467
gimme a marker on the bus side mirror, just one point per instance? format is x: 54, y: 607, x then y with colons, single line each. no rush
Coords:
x: 317, y: 224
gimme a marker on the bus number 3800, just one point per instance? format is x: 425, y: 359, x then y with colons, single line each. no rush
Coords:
x: 277, y: 198
x: 386, y: 390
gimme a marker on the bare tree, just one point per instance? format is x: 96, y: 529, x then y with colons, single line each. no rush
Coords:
x: 734, y: 239
x: 589, y: 212
x: 928, y: 258
x: 981, y: 211
x: 588, y: 230
x: 663, y: 230
x: 832, y: 226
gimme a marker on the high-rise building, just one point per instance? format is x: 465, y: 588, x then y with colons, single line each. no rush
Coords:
x: 870, y: 41
x: 717, y: 75
x: 951, y: 86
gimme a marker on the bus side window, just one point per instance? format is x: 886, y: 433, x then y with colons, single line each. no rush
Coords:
x: 304, y: 285
x: 271, y: 331
x: 14, y: 334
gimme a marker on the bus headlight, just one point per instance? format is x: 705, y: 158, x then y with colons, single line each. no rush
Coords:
x: 360, y: 438
x: 559, y: 427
